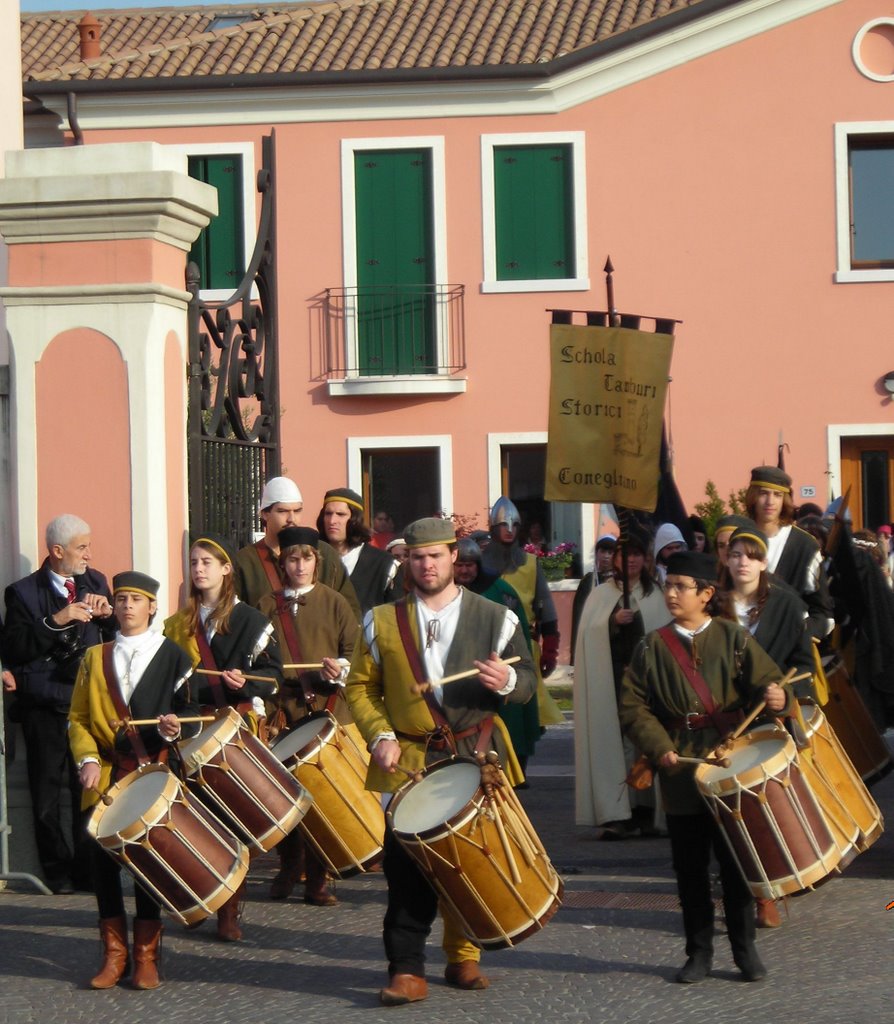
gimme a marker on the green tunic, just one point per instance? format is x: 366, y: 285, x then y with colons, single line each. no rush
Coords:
x: 655, y: 690
x: 252, y: 582
x: 326, y: 628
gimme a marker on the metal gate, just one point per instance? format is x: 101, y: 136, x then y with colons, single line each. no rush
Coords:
x: 233, y: 414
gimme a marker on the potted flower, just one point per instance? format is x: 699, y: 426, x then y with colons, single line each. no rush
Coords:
x: 555, y: 563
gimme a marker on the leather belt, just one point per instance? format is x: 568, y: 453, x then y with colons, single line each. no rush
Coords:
x: 439, y: 740
x: 698, y: 720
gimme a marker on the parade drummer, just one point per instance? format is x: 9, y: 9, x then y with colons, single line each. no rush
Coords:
x: 687, y: 686
x: 225, y: 637
x: 313, y: 624
x: 139, y: 675
x: 437, y: 630
x: 231, y: 641
x: 774, y: 614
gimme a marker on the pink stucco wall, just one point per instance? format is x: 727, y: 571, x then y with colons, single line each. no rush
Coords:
x: 711, y: 186
x: 83, y: 442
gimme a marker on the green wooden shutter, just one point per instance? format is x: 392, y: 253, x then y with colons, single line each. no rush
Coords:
x: 395, y: 261
x: 219, y: 250
x: 534, y: 212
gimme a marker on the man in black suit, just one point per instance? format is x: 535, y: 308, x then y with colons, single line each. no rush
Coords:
x: 52, y: 617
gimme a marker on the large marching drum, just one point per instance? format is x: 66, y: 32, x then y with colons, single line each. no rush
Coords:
x: 234, y: 773
x: 852, y: 723
x: 480, y: 853
x: 345, y: 825
x: 187, y: 859
x: 769, y: 815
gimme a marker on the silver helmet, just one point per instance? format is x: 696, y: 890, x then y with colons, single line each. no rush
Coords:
x: 467, y: 550
x: 505, y: 513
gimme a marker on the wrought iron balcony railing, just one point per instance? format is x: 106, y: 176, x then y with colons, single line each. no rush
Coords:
x: 389, y: 331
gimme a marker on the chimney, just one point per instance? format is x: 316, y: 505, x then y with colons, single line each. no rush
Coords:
x: 90, y: 31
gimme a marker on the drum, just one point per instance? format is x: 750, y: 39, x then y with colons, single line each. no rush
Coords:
x: 238, y: 777
x: 844, y: 828
x: 849, y: 799
x: 483, y: 859
x: 769, y: 815
x: 345, y: 824
x: 853, y: 725
x: 171, y: 843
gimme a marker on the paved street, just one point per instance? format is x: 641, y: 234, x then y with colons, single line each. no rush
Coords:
x: 610, y: 953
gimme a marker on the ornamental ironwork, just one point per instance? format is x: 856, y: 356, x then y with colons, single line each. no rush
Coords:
x: 233, y: 413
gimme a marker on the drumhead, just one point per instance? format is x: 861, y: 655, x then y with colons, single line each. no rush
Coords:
x: 439, y: 796
x: 746, y: 756
x: 215, y: 734
x: 131, y: 802
x: 288, y: 744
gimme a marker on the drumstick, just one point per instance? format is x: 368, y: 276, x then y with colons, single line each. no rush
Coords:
x: 245, y: 675
x: 310, y: 665
x: 493, y: 762
x: 789, y: 677
x: 415, y: 776
x: 118, y: 722
x: 423, y: 687
x: 720, y: 762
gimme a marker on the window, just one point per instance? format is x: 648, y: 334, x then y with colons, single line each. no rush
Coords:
x: 379, y: 468
x: 219, y: 251
x: 871, y: 163
x: 402, y: 320
x: 516, y: 467
x: 864, y: 169
x: 534, y: 210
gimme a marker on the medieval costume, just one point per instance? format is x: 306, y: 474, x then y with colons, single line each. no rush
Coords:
x: 410, y: 642
x: 311, y: 622
x: 139, y: 675
x: 602, y: 757
x: 663, y: 712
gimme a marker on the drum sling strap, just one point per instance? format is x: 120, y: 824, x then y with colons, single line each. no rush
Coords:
x: 124, y: 764
x: 721, y: 720
x: 209, y: 662
x: 443, y: 736
x: 269, y: 566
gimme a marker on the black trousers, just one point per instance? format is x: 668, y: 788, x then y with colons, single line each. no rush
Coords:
x: 693, y: 838
x: 412, y: 908
x: 107, y: 885
x: 52, y: 777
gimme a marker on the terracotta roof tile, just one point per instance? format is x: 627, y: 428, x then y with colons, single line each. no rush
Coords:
x: 332, y: 35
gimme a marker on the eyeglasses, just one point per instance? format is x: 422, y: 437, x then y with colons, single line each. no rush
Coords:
x: 679, y: 588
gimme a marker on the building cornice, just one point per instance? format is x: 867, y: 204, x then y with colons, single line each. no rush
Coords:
x: 498, y: 90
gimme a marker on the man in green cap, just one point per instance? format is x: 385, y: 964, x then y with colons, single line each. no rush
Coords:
x: 437, y: 630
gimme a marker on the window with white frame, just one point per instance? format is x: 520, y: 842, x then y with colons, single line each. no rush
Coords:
x: 224, y: 247
x: 534, y: 212
x: 379, y: 468
x: 396, y: 301
x: 864, y: 170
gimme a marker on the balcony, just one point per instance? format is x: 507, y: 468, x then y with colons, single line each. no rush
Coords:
x: 405, y: 339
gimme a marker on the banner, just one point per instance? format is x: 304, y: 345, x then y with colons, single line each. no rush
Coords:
x: 606, y: 408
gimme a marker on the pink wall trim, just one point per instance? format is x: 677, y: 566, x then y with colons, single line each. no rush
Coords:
x: 175, y: 438
x: 123, y: 261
